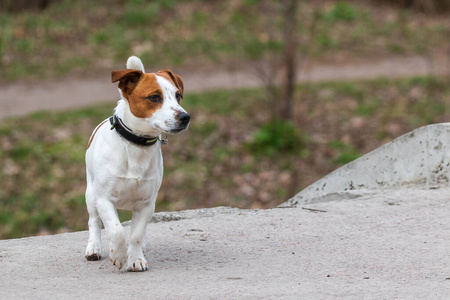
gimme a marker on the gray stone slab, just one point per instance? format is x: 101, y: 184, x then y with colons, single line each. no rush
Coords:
x: 385, y: 245
x: 418, y: 157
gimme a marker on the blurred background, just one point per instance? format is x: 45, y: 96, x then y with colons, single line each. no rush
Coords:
x: 320, y: 84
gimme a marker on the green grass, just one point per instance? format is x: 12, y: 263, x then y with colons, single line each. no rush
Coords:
x: 341, y: 11
x: 73, y: 36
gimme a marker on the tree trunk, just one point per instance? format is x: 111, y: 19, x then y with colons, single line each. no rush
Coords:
x: 289, y: 60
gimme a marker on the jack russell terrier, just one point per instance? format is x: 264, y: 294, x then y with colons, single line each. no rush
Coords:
x: 124, y: 164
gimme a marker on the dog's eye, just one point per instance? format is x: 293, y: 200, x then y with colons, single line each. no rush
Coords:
x: 179, y: 97
x: 154, y: 98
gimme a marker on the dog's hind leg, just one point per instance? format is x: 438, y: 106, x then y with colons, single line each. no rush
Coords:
x: 136, y: 259
x: 94, y: 246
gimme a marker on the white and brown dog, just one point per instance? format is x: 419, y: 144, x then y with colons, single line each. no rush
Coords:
x: 124, y: 164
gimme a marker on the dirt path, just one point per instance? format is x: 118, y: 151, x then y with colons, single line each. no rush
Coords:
x: 24, y: 97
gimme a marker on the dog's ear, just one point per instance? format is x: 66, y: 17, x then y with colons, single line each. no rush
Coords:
x: 179, y: 83
x: 176, y: 79
x: 128, y: 79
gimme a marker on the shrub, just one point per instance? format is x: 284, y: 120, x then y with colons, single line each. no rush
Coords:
x: 277, y: 137
x: 342, y: 11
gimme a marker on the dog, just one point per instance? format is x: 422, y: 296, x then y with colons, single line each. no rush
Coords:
x: 124, y: 164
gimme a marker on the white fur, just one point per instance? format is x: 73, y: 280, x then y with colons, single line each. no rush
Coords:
x: 121, y: 175
x: 164, y: 119
x: 135, y: 63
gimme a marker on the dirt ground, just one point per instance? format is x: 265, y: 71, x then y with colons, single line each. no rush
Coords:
x: 20, y: 98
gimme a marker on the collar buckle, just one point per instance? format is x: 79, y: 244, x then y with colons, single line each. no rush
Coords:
x: 164, y: 141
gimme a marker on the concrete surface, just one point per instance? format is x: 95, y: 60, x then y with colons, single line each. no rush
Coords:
x: 418, y: 157
x: 390, y: 245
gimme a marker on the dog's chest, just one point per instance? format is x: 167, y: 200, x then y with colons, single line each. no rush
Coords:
x: 137, y: 180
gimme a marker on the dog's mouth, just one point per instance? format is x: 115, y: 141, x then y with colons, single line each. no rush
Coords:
x: 172, y: 130
x: 178, y: 130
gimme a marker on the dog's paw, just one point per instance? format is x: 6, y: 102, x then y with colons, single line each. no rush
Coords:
x: 118, y: 256
x: 93, y: 251
x: 138, y: 265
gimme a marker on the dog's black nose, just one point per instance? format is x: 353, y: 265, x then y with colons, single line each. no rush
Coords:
x: 184, y: 118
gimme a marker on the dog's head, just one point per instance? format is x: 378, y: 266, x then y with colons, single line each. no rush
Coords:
x: 153, y: 97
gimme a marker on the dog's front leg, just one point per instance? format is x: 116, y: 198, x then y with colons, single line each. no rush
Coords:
x: 136, y: 259
x: 94, y: 247
x: 116, y: 232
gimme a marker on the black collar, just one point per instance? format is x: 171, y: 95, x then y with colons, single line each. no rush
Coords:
x: 129, y: 135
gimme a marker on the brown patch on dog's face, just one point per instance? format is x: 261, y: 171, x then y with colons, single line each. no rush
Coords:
x: 144, y: 95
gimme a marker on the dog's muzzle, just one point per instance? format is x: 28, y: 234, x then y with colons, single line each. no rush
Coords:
x: 183, y: 122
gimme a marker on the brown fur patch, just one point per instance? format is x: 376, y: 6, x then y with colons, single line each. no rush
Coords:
x: 95, y: 131
x: 140, y: 106
x: 177, y: 113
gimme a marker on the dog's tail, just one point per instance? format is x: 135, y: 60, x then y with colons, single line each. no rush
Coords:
x: 135, y: 63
